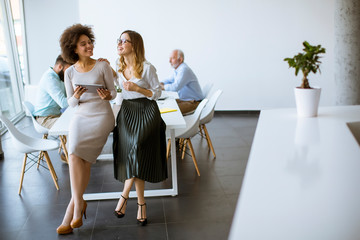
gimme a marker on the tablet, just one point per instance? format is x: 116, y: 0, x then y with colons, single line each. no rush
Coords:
x: 91, y: 88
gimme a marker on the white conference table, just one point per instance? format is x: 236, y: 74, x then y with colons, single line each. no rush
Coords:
x: 173, y: 120
x: 302, y: 177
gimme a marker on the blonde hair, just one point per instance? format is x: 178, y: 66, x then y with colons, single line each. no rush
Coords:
x: 139, y: 56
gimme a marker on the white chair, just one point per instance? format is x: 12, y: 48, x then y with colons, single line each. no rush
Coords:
x: 29, y: 109
x: 30, y: 93
x: 206, y: 89
x: 192, y: 128
x: 27, y: 145
x: 207, y: 115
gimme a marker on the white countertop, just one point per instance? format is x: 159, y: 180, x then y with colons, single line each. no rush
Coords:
x: 302, y: 179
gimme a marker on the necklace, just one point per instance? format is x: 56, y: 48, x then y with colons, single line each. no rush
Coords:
x: 129, y: 71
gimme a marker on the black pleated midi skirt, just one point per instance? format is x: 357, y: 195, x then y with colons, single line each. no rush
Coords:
x: 139, y: 145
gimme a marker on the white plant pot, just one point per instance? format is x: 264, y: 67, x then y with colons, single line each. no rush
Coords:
x: 118, y: 99
x: 307, y: 101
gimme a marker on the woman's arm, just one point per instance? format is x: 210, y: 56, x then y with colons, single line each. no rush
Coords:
x: 72, y: 100
x: 130, y: 86
x: 110, y: 92
x: 153, y: 81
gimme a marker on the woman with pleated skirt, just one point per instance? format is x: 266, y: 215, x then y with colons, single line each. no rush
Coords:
x: 139, y: 144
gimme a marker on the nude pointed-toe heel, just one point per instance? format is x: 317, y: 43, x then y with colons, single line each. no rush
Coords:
x: 78, y: 222
x: 64, y: 229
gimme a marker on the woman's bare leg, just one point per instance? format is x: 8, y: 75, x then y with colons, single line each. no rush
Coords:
x: 79, y: 178
x: 127, y: 187
x: 140, y: 188
x: 69, y: 213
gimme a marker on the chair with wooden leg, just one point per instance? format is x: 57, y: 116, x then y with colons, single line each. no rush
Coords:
x: 207, y: 115
x: 192, y: 128
x: 28, y: 145
x: 29, y: 109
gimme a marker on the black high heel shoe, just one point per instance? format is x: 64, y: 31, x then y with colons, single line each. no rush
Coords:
x: 142, y: 221
x: 119, y: 214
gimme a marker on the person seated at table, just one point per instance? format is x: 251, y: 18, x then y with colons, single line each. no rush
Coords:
x: 51, y: 95
x: 185, y: 82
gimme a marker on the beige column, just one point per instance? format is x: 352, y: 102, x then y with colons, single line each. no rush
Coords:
x: 347, y: 52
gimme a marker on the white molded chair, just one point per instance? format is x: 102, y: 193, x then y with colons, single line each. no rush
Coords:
x: 29, y: 108
x: 206, y: 89
x: 30, y: 93
x: 27, y: 145
x: 192, y: 128
x: 207, y: 115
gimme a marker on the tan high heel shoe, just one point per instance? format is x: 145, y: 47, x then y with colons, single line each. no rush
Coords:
x: 64, y: 229
x: 78, y: 222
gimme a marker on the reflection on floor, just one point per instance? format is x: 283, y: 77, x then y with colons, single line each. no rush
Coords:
x: 203, y: 209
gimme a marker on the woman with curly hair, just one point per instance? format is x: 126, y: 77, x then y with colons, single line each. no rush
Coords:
x: 139, y: 145
x: 93, y: 119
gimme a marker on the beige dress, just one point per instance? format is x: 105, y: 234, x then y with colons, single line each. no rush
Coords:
x: 93, y: 119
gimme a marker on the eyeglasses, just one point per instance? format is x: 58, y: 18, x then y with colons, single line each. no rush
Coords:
x: 122, y: 41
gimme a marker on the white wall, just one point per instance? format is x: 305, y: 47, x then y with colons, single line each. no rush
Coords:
x: 45, y: 20
x: 239, y: 45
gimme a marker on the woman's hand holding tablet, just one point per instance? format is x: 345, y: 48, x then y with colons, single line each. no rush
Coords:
x: 90, y: 88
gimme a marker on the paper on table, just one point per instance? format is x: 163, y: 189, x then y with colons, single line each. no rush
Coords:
x: 166, y: 110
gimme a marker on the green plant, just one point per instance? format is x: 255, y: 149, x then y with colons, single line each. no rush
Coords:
x: 118, y: 89
x: 307, y: 62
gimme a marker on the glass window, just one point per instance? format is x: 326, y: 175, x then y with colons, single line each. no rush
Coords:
x: 10, y: 70
x: 18, y: 29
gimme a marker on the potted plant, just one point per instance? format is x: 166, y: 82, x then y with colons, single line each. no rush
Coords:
x: 306, y: 97
x: 118, y: 98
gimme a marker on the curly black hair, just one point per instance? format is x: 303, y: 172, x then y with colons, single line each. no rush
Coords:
x: 69, y: 39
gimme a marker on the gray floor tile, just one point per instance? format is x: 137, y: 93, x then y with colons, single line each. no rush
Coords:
x: 203, y: 209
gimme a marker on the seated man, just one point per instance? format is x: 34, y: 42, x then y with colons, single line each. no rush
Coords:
x: 184, y: 82
x: 51, y: 95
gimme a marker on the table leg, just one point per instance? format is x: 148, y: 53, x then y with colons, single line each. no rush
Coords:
x: 173, y: 163
x: 148, y: 193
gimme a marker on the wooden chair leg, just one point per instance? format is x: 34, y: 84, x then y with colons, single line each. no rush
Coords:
x: 209, y: 140
x: 63, y: 146
x: 63, y: 139
x: 200, y: 131
x: 183, y: 149
x: 22, y: 173
x: 168, y: 149
x: 193, y: 156
x: 204, y: 136
x: 51, y: 168
x: 180, y: 145
x: 41, y: 156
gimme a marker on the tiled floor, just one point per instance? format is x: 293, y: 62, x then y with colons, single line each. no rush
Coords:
x: 203, y: 209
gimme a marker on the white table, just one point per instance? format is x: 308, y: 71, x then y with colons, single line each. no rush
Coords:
x: 173, y: 120
x: 302, y: 178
